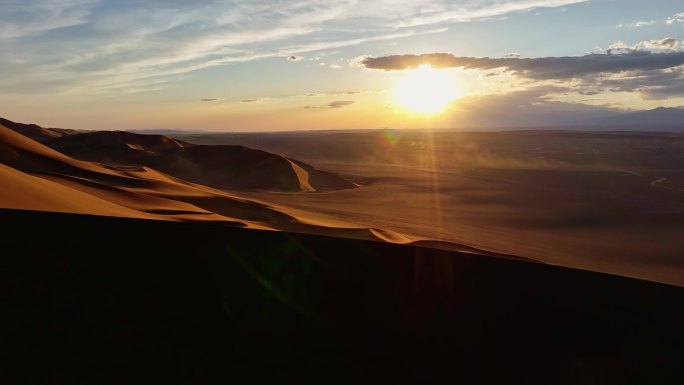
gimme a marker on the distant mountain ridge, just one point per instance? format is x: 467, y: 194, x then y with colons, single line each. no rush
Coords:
x: 661, y: 116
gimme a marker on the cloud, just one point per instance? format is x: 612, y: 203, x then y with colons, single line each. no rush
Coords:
x: 643, y: 23
x: 638, y: 24
x: 653, y: 69
x: 661, y: 45
x: 459, y: 12
x: 358, y: 61
x: 34, y: 17
x: 335, y: 104
x: 675, y: 19
x: 87, y: 46
x: 664, y: 91
x: 526, y: 108
x: 650, y: 84
x: 329, y: 93
x: 208, y: 100
x: 545, y: 68
x: 326, y: 94
x: 340, y: 103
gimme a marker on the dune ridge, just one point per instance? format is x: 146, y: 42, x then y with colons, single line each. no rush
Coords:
x: 36, y: 132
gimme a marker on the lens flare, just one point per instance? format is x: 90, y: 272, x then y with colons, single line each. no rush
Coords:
x: 388, y: 139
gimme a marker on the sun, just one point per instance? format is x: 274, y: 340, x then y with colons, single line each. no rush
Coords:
x: 425, y: 90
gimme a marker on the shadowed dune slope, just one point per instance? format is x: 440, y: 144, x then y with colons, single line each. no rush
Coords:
x: 223, y: 167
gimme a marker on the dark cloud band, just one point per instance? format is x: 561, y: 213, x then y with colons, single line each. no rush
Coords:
x: 546, y: 68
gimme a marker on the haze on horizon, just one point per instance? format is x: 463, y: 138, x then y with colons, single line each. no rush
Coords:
x: 250, y: 65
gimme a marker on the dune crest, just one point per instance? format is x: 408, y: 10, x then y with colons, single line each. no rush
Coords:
x: 302, y: 177
x: 390, y: 236
x: 36, y: 132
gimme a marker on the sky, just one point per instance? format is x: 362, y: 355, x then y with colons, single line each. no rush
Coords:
x: 320, y: 64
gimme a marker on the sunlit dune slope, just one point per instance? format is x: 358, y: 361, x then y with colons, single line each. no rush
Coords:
x: 223, y: 167
x: 40, y: 178
x: 23, y: 191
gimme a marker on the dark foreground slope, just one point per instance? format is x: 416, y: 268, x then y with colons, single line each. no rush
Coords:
x: 97, y: 300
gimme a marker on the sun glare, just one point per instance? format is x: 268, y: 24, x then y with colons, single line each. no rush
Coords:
x: 425, y: 90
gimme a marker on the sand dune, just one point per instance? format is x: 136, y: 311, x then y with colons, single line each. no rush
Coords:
x: 222, y: 167
x: 37, y: 173
x: 28, y: 192
x: 41, y: 178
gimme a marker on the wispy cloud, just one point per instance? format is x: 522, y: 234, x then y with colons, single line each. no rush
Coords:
x: 638, y: 24
x: 328, y: 93
x: 459, y: 12
x: 34, y: 17
x: 89, y: 45
x: 675, y: 19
